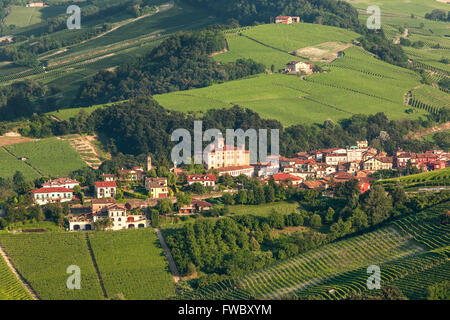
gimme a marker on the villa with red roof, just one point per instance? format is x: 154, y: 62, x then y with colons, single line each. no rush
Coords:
x: 286, y: 177
x: 51, y: 195
x: 105, y: 189
x: 207, y: 180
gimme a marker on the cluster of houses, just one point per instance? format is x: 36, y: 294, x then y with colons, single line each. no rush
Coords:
x: 316, y: 169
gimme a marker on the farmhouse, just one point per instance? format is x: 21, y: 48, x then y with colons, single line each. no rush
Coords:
x: 207, y: 180
x: 299, y: 66
x: 196, y: 206
x: 61, y: 183
x: 157, y: 187
x: 105, y: 189
x: 50, y: 195
x: 118, y: 214
x: 135, y: 174
x: 287, y: 19
x: 100, y: 204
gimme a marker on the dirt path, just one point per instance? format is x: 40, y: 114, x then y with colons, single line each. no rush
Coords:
x: 18, y: 276
x: 172, y: 265
x: 404, y: 36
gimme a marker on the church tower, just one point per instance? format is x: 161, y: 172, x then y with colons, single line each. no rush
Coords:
x: 149, y: 163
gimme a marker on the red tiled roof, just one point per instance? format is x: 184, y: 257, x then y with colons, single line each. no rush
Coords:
x: 225, y: 169
x: 51, y: 190
x: 105, y: 184
x: 285, y: 176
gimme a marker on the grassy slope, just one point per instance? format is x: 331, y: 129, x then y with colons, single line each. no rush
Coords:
x: 51, y: 156
x: 9, y: 165
x: 132, y: 263
x: 356, y: 83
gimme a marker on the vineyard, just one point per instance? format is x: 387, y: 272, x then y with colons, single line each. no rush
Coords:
x: 132, y: 263
x: 10, y: 287
x: 432, y: 178
x: 42, y: 259
x: 354, y: 83
x: 404, y: 250
x: 50, y: 157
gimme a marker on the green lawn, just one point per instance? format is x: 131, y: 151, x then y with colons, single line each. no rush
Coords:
x: 52, y: 156
x: 132, y: 263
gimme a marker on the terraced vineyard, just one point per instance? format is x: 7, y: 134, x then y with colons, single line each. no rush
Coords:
x: 10, y: 287
x: 355, y: 83
x: 42, y: 260
x: 404, y: 250
x: 432, y: 178
x: 132, y: 263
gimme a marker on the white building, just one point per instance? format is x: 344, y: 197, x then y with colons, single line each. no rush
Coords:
x: 105, y: 189
x: 120, y: 218
x: 299, y: 66
x: 225, y: 156
x: 50, y: 195
x: 61, y: 183
x: 207, y: 180
x: 236, y: 171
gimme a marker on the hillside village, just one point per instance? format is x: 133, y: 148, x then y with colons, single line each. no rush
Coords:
x: 317, y: 169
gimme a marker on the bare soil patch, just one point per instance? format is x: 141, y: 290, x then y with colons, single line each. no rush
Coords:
x: 323, y: 52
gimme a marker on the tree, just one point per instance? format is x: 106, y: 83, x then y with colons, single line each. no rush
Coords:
x: 165, y: 206
x: 377, y: 205
x: 227, y: 198
x: 439, y: 291
x: 241, y: 197
x: 254, y: 245
x: 183, y: 199
x: 329, y: 216
x: 269, y: 193
x: 102, y: 224
x: 315, y: 221
x: 359, y: 219
x: 154, y: 217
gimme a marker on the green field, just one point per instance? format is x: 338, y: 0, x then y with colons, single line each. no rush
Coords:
x: 132, y: 263
x: 10, y: 286
x: 401, y: 7
x: 9, y: 165
x: 265, y: 209
x: 271, y: 44
x: 403, y: 250
x: 436, y: 177
x: 42, y: 259
x: 356, y: 83
x: 52, y: 156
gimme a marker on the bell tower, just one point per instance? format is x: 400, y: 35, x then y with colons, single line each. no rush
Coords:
x: 149, y: 163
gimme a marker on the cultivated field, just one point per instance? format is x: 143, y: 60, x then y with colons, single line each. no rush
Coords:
x: 42, y: 259
x: 355, y: 83
x: 432, y: 178
x: 403, y: 250
x: 9, y: 165
x: 265, y: 209
x: 50, y: 157
x: 10, y: 286
x: 132, y: 263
